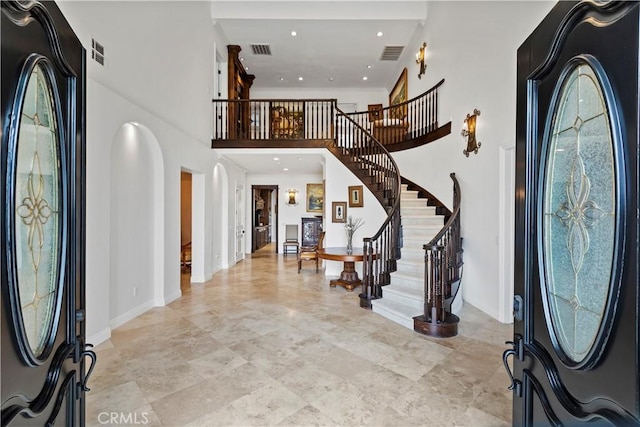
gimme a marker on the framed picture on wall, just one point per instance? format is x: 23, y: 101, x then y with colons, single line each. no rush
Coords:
x: 355, y: 196
x: 339, y: 212
x: 397, y: 96
x: 315, y: 198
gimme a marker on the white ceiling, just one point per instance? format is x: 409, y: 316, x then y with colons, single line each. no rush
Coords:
x: 336, y: 39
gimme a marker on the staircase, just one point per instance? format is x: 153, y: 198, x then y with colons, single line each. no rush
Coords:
x: 375, y: 177
x: 403, y: 298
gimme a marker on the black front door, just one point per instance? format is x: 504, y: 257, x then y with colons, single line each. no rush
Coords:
x: 576, y: 311
x: 42, y: 217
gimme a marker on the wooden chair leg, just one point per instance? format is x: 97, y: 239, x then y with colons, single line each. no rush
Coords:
x: 299, y: 265
x: 316, y: 264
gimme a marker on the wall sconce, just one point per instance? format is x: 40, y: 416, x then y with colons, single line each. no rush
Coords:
x: 469, y: 133
x: 292, y: 194
x: 420, y: 60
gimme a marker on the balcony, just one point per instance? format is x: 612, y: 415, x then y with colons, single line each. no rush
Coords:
x: 315, y: 123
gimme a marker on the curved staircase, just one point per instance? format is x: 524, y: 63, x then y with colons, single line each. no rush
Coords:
x: 403, y: 298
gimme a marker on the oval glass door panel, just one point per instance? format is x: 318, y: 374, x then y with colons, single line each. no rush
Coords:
x: 579, y: 205
x: 37, y: 219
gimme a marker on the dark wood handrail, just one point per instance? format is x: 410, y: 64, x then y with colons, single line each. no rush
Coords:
x: 443, y: 273
x: 455, y: 214
x: 415, y: 98
x: 395, y: 126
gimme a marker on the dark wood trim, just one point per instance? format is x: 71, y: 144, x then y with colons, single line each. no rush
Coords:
x: 275, y: 188
x: 441, y: 132
x: 272, y: 143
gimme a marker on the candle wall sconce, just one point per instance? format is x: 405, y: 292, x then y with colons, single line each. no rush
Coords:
x: 292, y: 194
x: 420, y: 60
x: 469, y: 133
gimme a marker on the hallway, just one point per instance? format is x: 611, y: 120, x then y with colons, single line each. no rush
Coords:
x: 262, y: 345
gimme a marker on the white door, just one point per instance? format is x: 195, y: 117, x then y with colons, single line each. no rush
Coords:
x: 239, y: 223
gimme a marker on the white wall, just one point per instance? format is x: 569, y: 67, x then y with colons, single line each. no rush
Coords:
x: 337, y: 180
x: 472, y: 45
x: 149, y: 79
x: 360, y: 97
x: 133, y: 183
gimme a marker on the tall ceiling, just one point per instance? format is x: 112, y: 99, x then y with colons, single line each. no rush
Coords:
x: 336, y: 43
x: 336, y: 46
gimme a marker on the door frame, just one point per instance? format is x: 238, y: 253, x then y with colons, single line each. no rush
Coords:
x: 275, y: 190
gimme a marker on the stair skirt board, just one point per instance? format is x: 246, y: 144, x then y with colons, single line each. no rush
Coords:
x: 403, y: 298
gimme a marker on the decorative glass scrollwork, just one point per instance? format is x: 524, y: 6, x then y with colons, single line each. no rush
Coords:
x: 37, y: 201
x: 579, y: 213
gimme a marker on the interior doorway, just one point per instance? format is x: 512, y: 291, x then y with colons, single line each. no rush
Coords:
x: 264, y: 217
x: 186, y: 204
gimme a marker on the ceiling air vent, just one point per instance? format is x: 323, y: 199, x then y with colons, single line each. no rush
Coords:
x: 261, y: 49
x: 97, y: 52
x: 391, y: 53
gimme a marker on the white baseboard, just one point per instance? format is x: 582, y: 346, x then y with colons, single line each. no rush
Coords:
x: 131, y: 314
x: 99, y: 337
x: 201, y: 279
x: 491, y: 311
x: 173, y: 297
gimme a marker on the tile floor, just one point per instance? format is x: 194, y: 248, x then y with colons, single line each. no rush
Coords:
x: 262, y: 345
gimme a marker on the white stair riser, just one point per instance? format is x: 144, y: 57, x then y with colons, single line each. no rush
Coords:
x: 413, y: 299
x: 419, y: 233
x: 410, y: 269
x: 412, y: 256
x: 402, y: 320
x: 410, y: 307
x: 421, y: 220
x: 408, y: 194
x: 415, y: 209
x: 414, y: 282
x: 416, y: 203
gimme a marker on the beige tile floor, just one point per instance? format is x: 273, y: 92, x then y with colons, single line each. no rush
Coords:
x: 262, y: 345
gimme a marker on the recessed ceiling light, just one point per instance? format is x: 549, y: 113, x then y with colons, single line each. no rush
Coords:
x: 246, y: 68
x: 276, y: 158
x: 285, y: 169
x: 369, y: 66
x: 299, y: 158
x: 365, y: 78
x: 300, y: 78
x: 281, y: 79
x: 379, y: 34
x: 241, y: 59
x: 293, y: 33
x: 330, y: 79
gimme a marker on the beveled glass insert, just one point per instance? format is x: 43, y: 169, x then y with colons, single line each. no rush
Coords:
x: 37, y: 201
x: 579, y: 205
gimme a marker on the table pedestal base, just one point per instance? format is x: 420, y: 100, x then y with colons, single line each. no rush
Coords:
x: 348, y: 278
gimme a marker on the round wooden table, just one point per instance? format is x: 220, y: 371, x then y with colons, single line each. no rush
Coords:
x: 349, y: 277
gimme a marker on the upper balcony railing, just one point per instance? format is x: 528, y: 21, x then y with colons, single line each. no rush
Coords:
x: 273, y: 119
x: 408, y: 121
x: 285, y: 123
